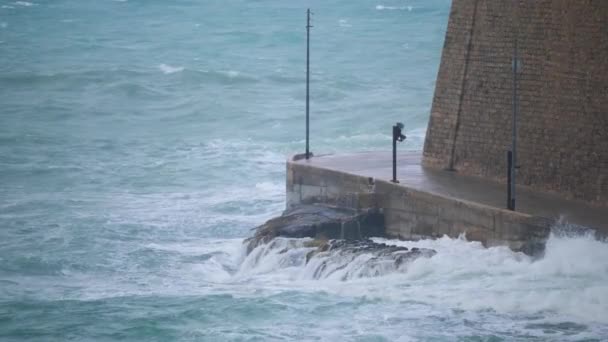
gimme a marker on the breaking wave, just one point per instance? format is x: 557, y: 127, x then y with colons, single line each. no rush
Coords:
x: 570, y: 283
x: 343, y: 261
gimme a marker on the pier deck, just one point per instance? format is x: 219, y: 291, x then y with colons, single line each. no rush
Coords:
x: 450, y: 184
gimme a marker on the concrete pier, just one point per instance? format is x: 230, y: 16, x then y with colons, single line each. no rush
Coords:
x: 431, y: 203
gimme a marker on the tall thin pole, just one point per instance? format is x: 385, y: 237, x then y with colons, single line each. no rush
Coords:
x: 308, y: 83
x: 515, y: 114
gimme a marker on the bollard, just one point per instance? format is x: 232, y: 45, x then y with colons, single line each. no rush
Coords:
x: 510, y: 170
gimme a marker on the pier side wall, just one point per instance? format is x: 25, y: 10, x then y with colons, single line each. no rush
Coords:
x: 563, y: 101
x: 411, y: 214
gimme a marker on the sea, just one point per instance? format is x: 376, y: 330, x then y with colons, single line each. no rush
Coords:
x: 141, y: 141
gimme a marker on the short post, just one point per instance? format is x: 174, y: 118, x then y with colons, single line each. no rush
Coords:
x: 397, y: 136
x: 510, y: 170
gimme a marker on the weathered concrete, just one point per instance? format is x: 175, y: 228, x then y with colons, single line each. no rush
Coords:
x: 430, y: 203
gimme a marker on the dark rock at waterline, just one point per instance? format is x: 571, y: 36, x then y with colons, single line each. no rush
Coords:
x: 319, y: 222
x: 338, y: 241
x: 379, y: 250
x: 361, y: 258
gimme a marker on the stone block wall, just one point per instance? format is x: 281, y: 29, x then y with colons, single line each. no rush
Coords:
x: 412, y: 214
x: 307, y: 184
x: 563, y: 94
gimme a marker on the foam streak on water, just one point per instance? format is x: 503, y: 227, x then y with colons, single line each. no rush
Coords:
x: 141, y: 141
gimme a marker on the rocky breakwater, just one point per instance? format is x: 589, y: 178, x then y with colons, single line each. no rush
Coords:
x: 331, y: 242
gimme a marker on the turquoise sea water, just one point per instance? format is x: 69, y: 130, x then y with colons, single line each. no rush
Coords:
x: 141, y: 140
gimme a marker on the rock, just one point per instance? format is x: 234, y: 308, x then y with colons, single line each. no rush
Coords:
x: 320, y: 222
x: 338, y: 243
x: 399, y: 253
x: 362, y: 258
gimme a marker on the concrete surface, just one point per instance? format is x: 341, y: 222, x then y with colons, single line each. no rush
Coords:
x: 412, y: 175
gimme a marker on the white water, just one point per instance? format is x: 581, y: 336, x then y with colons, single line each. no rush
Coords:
x: 568, y: 287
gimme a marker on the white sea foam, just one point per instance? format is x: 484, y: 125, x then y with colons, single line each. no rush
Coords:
x: 344, y: 23
x: 270, y: 187
x: 168, y: 69
x: 399, y: 8
x: 24, y: 3
x: 232, y: 73
x: 569, y: 283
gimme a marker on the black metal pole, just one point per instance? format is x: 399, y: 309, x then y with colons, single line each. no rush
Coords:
x: 394, y: 180
x: 515, y: 115
x: 510, y: 200
x: 308, y: 83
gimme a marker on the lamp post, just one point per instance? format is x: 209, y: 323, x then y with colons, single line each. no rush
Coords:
x: 512, y: 155
x: 308, y: 26
x: 397, y: 137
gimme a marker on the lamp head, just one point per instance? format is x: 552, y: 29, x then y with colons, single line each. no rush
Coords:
x: 397, y: 135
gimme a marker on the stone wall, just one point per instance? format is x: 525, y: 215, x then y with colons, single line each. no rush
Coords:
x: 563, y: 102
x: 412, y: 214
x: 307, y: 184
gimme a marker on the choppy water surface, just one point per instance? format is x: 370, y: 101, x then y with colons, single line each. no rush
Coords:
x: 140, y: 141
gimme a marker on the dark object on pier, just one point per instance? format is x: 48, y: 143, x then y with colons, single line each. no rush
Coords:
x: 397, y: 136
x: 510, y: 171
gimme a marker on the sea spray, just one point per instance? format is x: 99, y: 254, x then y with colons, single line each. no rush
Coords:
x: 335, y: 259
x: 463, y: 275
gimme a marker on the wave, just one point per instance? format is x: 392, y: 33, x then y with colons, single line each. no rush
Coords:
x: 343, y: 261
x: 133, y: 89
x: 24, y: 3
x: 569, y: 283
x: 400, y: 8
x: 367, y: 142
x: 126, y: 76
x: 560, y: 296
x: 71, y: 78
x: 207, y: 76
x: 226, y: 77
x: 168, y: 69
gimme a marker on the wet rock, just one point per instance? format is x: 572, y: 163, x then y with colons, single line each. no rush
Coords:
x: 336, y: 243
x: 320, y: 222
x: 398, y: 253
x: 362, y: 258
